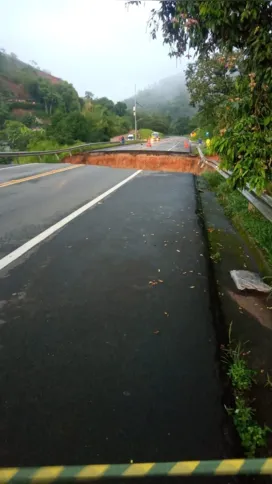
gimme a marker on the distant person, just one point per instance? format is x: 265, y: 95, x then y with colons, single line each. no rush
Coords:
x: 123, y: 140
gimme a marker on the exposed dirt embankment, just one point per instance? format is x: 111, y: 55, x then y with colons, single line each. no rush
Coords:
x: 157, y: 162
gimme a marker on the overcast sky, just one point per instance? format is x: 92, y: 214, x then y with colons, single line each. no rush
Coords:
x: 97, y: 45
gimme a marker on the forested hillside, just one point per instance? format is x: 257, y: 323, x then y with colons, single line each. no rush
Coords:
x: 41, y: 111
x: 165, y: 104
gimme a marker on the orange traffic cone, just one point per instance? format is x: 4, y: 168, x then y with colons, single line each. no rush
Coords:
x: 148, y: 144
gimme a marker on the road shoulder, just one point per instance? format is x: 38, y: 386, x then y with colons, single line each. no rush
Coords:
x: 247, y: 315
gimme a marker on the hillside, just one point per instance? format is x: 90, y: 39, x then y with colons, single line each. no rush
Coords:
x: 32, y: 95
x: 39, y: 111
x: 168, y: 96
x: 14, y: 73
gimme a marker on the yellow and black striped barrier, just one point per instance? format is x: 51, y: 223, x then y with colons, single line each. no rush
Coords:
x: 228, y: 467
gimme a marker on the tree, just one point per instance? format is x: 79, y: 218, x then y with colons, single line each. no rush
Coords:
x: 181, y: 126
x: 4, y: 112
x: 69, y: 100
x: 107, y: 103
x: 209, y: 83
x: 245, y: 143
x: 48, y: 95
x: 29, y: 120
x: 18, y: 136
x: 68, y: 128
x: 88, y: 95
x: 34, y: 64
x: 120, y: 108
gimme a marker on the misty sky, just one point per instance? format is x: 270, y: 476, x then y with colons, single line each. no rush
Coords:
x: 97, y: 45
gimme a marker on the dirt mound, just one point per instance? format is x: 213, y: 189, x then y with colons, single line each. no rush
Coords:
x: 157, y: 162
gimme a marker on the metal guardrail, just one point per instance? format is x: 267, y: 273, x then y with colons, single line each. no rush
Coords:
x: 262, y: 203
x: 20, y: 154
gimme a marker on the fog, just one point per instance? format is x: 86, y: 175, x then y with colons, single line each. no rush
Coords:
x: 103, y: 47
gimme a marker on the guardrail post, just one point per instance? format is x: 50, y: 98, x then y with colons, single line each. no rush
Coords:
x: 40, y: 158
x: 56, y: 156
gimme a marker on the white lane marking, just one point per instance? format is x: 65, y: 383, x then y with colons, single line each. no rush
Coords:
x: 174, y: 146
x: 15, y: 254
x: 19, y: 166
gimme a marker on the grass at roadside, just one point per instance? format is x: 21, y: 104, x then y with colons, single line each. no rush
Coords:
x: 252, y: 435
x: 242, y: 213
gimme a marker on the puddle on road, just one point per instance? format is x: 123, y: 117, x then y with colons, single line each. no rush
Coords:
x: 141, y: 161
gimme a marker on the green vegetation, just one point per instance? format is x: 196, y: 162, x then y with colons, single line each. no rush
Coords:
x: 39, y: 111
x: 165, y: 106
x: 242, y: 213
x: 216, y: 257
x: 231, y: 82
x: 145, y: 133
x: 252, y: 435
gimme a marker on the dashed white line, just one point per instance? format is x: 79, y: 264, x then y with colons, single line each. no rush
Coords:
x: 174, y: 146
x: 8, y: 259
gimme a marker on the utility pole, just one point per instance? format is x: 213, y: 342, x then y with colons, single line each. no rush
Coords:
x: 135, y: 112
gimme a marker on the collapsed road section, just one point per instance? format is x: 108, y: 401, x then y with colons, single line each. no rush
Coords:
x: 159, y: 161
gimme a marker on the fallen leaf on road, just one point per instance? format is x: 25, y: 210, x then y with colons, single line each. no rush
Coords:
x: 192, y: 287
x: 184, y: 273
x: 153, y: 283
x: 156, y: 332
x: 160, y: 280
x: 159, y: 270
x: 166, y: 313
x: 201, y: 255
x: 191, y: 271
x: 178, y: 250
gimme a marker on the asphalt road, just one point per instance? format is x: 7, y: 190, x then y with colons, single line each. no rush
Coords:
x: 173, y: 143
x: 107, y: 349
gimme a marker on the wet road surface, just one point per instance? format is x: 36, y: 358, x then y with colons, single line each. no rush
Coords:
x: 107, y: 349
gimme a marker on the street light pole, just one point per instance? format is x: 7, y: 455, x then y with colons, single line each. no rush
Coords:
x: 135, y: 112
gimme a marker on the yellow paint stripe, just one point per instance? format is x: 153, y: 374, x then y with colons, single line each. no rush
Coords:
x: 267, y: 467
x: 229, y: 467
x: 7, y: 474
x: 47, y: 474
x: 184, y: 468
x: 40, y: 175
x: 92, y: 471
x: 138, y: 469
